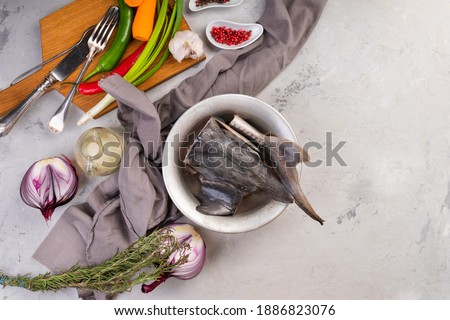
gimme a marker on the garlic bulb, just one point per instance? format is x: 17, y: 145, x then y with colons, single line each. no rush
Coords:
x: 49, y: 183
x: 186, y: 44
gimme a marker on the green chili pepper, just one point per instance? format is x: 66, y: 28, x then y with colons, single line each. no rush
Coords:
x: 123, y: 36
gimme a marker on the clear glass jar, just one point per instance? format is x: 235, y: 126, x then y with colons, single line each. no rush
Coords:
x: 99, y: 151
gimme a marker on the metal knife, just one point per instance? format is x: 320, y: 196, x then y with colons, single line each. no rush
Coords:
x: 67, y: 65
x: 32, y: 70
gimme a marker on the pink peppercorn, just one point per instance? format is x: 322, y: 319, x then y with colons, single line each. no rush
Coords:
x: 229, y: 36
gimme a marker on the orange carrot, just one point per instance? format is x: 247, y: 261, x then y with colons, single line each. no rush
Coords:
x: 144, y: 20
x: 134, y: 3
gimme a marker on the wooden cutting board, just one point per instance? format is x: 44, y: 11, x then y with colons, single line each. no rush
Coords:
x: 63, y: 28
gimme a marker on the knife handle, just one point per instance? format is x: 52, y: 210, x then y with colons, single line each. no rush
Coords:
x: 8, y: 121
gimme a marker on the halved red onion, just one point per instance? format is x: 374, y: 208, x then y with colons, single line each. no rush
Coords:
x: 185, y: 233
x: 49, y: 183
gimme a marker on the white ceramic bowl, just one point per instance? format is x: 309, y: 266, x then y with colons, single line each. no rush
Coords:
x: 256, y: 28
x: 254, y: 211
x: 231, y: 3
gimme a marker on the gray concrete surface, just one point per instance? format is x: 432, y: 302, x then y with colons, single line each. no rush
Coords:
x: 375, y: 75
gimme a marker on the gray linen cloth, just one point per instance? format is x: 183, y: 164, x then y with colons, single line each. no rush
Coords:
x: 134, y: 200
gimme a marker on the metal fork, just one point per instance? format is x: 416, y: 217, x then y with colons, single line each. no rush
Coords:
x: 97, y: 42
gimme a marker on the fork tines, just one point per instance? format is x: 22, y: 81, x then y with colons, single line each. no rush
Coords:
x: 105, y: 27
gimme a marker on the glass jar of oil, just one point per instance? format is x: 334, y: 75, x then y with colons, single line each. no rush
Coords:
x: 99, y: 151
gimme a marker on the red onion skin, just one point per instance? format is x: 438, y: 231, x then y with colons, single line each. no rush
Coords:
x: 147, y: 288
x: 47, y: 212
x: 187, y: 270
x: 47, y: 209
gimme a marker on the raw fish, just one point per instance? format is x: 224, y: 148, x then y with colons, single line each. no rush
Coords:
x: 283, y: 156
x: 228, y: 168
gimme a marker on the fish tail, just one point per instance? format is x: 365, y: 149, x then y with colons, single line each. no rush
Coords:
x: 303, y: 203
